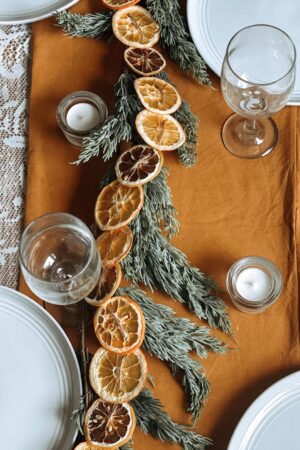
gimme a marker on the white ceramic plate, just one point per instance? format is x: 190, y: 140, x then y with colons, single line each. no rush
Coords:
x: 213, y: 22
x: 40, y: 383
x: 272, y: 421
x: 26, y: 11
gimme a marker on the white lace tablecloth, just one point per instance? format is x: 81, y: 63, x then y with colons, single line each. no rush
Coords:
x: 14, y: 93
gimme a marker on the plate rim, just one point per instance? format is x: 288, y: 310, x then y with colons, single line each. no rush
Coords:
x: 193, y: 10
x: 35, y: 18
x: 29, y: 301
x: 257, y: 406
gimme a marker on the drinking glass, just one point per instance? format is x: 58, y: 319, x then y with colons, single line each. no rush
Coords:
x: 59, y: 258
x: 258, y: 75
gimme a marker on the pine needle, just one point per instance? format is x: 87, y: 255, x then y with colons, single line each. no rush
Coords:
x: 176, y: 39
x: 171, y: 339
x: 94, y: 26
x: 153, y: 420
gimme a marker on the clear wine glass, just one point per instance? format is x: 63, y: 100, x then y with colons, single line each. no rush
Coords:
x: 258, y: 75
x: 59, y: 258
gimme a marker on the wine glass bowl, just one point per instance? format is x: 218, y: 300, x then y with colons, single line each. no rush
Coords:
x: 59, y: 258
x: 258, y: 76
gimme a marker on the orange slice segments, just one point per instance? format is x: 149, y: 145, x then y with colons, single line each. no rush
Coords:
x: 162, y: 132
x: 114, y: 245
x: 109, y: 282
x: 109, y: 425
x: 119, y: 325
x: 119, y: 4
x: 157, y: 95
x: 138, y: 165
x: 135, y: 27
x: 118, y: 378
x: 117, y: 205
x: 144, y: 61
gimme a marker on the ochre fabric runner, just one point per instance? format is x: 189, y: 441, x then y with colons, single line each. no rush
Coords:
x: 228, y: 208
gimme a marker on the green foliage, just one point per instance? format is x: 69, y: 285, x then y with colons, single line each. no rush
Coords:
x: 171, y: 339
x: 176, y: 39
x: 94, y: 26
x: 153, y: 420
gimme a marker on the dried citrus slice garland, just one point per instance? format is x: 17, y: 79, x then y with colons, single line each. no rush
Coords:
x: 117, y: 205
x: 160, y: 131
x: 144, y: 61
x: 119, y: 4
x: 119, y: 325
x: 109, y: 282
x: 109, y: 426
x: 135, y: 27
x: 157, y: 95
x: 118, y: 378
x: 114, y: 245
x: 138, y: 165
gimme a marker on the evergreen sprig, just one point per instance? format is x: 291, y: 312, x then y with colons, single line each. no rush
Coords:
x: 94, y: 26
x: 153, y: 420
x: 171, y: 339
x: 118, y: 127
x: 156, y: 263
x: 176, y: 39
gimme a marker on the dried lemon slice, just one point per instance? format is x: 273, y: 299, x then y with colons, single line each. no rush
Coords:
x: 109, y: 426
x: 117, y: 205
x: 119, y: 4
x: 138, y: 165
x: 135, y: 27
x: 109, y: 282
x: 114, y: 245
x: 118, y: 378
x: 144, y: 61
x: 162, y: 132
x: 119, y: 325
x: 157, y: 95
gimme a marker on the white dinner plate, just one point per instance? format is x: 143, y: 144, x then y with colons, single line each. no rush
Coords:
x: 212, y: 23
x: 40, y: 383
x: 26, y: 11
x: 272, y: 421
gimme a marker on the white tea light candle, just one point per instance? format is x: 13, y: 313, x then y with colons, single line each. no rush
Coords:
x: 253, y: 284
x: 82, y: 117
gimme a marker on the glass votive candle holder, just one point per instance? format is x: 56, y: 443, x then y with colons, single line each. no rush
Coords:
x: 254, y: 284
x: 80, y: 113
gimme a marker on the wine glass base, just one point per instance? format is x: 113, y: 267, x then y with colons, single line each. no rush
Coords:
x: 248, y: 143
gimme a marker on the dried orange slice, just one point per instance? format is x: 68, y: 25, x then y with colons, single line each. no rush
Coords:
x: 84, y: 446
x: 144, y: 61
x: 119, y: 325
x: 118, y: 378
x: 117, y: 205
x: 119, y: 4
x: 114, y: 245
x: 162, y: 132
x: 109, y: 282
x: 157, y: 95
x: 138, y: 165
x: 109, y: 426
x: 135, y: 27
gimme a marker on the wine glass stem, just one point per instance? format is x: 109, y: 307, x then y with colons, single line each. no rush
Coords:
x: 250, y: 132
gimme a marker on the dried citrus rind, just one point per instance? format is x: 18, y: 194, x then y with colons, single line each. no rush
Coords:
x: 117, y: 205
x: 119, y: 325
x: 108, y: 425
x: 114, y: 245
x: 119, y: 4
x: 138, y: 165
x: 144, y: 61
x: 162, y: 132
x: 157, y: 95
x: 135, y: 27
x: 109, y: 282
x: 118, y: 378
x: 84, y: 446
